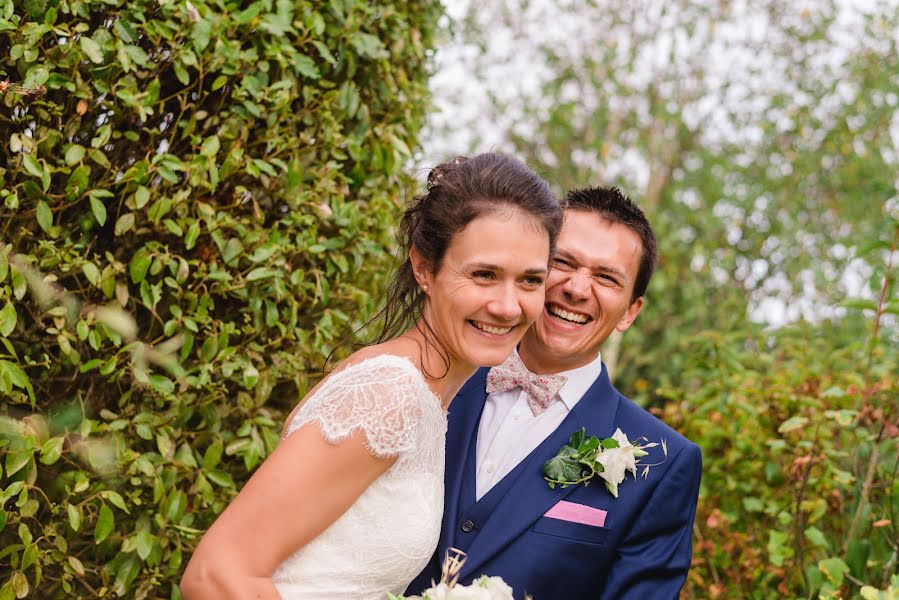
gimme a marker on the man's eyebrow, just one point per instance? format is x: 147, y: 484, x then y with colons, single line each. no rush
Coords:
x: 598, y: 269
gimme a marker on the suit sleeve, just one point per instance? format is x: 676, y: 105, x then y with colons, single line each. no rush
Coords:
x: 653, y: 560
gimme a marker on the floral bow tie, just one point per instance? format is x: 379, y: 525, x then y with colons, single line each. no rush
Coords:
x: 541, y: 389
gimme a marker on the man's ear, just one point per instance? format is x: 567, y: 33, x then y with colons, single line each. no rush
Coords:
x: 421, y: 269
x: 632, y: 311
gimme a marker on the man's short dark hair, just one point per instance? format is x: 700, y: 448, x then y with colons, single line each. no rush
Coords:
x: 613, y: 206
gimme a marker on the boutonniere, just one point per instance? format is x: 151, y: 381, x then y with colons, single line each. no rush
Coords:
x: 583, y: 458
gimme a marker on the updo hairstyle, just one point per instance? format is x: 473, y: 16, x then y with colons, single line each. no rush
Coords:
x: 460, y: 191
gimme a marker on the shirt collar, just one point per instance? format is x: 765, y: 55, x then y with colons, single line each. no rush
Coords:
x: 579, y: 380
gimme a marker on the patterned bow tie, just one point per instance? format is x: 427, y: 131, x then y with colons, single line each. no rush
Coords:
x: 541, y: 389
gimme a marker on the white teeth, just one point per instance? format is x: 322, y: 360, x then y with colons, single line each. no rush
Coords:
x: 568, y: 316
x: 493, y: 330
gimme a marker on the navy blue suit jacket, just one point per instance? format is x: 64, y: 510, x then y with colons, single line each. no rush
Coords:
x: 642, y: 551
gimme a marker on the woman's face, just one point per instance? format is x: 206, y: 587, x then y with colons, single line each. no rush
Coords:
x: 489, y: 287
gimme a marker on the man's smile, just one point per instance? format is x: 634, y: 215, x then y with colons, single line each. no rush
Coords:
x: 567, y: 315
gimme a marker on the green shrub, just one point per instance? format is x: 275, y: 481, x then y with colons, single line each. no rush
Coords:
x: 792, y: 432
x: 197, y: 202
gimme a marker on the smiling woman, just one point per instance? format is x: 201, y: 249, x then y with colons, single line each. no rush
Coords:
x: 350, y: 503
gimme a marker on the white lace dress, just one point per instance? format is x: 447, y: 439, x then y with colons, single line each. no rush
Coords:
x: 388, y: 535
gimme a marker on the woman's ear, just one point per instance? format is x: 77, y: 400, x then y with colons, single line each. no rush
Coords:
x: 421, y: 269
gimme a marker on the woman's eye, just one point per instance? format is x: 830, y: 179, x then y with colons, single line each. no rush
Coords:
x: 534, y: 280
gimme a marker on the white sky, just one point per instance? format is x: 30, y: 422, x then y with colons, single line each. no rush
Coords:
x: 461, y: 122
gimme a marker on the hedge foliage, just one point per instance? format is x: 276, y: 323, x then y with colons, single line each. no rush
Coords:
x: 197, y: 202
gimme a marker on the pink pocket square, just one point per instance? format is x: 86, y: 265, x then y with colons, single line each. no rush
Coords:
x: 577, y: 513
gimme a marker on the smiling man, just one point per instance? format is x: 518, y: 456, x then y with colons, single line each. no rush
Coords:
x: 578, y: 541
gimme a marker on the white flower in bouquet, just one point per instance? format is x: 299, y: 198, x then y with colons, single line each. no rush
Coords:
x: 484, y: 588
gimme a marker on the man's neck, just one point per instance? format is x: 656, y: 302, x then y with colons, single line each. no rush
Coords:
x: 540, y: 363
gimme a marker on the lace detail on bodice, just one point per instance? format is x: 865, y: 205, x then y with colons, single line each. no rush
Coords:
x: 384, y: 396
x: 388, y: 535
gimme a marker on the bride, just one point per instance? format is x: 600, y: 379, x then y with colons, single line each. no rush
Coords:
x: 349, y: 505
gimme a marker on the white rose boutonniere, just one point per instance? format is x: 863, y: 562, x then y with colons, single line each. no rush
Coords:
x: 583, y: 458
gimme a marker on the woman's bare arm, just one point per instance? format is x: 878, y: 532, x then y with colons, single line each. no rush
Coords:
x: 301, y: 489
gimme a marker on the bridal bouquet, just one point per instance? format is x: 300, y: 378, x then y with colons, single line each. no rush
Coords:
x: 484, y: 588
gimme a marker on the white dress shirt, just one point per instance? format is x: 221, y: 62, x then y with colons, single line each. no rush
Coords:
x: 509, y: 431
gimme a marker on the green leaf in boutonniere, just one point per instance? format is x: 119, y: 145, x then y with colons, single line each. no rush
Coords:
x: 583, y: 458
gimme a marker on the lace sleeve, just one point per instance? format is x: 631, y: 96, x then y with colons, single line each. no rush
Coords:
x: 381, y: 396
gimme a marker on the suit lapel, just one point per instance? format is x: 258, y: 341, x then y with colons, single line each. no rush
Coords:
x: 461, y: 440
x: 529, y: 497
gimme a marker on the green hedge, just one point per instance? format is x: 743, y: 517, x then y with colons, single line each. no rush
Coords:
x: 197, y: 201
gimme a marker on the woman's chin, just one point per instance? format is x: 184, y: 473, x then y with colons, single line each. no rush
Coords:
x: 491, y: 357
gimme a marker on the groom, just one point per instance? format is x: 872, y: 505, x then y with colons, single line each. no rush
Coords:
x: 580, y: 541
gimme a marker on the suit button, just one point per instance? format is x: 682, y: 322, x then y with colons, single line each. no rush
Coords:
x: 467, y: 525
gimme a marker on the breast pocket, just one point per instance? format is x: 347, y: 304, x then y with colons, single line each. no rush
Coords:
x: 578, y: 532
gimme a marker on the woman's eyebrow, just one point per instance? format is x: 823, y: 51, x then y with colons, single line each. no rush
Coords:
x: 492, y: 267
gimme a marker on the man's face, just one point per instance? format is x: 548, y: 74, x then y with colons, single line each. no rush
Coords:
x: 588, y: 293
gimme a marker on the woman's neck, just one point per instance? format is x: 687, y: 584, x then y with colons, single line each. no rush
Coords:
x: 443, y: 372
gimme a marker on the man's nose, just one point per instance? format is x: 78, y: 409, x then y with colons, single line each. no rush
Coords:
x: 578, y: 285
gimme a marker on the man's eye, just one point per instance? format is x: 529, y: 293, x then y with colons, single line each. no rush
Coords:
x: 482, y: 275
x: 605, y: 278
x: 561, y: 263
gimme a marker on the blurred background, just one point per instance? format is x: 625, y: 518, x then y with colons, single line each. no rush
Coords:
x: 762, y: 139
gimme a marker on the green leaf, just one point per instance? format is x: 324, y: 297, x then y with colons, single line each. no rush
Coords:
x: 834, y: 569
x: 609, y: 443
x: 17, y: 377
x: 193, y: 232
x: 859, y: 303
x: 74, y: 514
x: 51, y: 450
x: 162, y: 384
x: 91, y: 272
x: 141, y: 197
x: 792, y: 424
x: 99, y: 209
x: 44, y: 216
x: 126, y: 574
x: 91, y: 49
x: 140, y: 263
x: 305, y: 66
x: 577, y: 438
x: 124, y: 224
x: 220, y: 478
x: 74, y: 154
x: 213, y: 454
x: 816, y: 537
x: 752, y: 504
x: 8, y: 319
x: 115, y: 499
x: 144, y: 543
x: 232, y: 250
x: 32, y: 165
x: 563, y: 467
x: 137, y: 54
